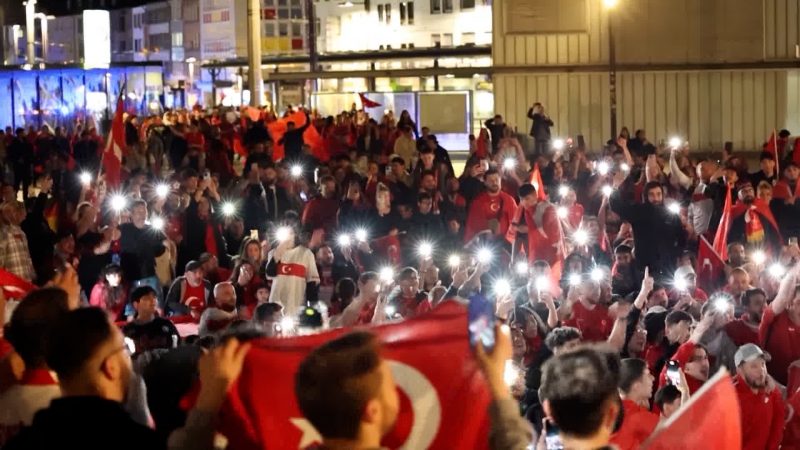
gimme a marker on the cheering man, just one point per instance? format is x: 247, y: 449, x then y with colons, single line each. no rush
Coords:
x: 493, y: 210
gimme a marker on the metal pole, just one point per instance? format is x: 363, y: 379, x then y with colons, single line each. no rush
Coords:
x: 612, y: 74
x: 30, y: 12
x: 254, y: 55
x: 313, y: 56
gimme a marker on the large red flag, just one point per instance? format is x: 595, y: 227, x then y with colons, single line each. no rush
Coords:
x: 721, y: 237
x: 14, y: 286
x: 388, y: 247
x: 313, y: 139
x: 443, y: 398
x: 278, y: 128
x: 710, y: 420
x: 710, y: 266
x: 115, y: 147
x: 536, y: 181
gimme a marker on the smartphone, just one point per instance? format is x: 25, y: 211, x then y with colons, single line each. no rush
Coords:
x: 673, y: 374
x: 480, y: 322
x: 130, y: 345
x: 303, y: 196
x: 552, y: 438
x: 792, y: 241
x: 254, y: 234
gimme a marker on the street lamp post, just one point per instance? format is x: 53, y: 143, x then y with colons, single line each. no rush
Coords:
x: 612, y: 66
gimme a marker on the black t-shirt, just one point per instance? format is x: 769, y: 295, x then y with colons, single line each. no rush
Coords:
x: 157, y: 333
x: 139, y: 249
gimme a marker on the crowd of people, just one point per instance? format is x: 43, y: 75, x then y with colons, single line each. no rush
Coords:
x: 225, y: 230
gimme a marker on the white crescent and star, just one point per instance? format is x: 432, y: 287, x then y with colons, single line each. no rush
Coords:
x: 424, y: 404
x: 285, y: 269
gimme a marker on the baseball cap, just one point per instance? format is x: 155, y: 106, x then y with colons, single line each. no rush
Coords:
x: 193, y: 265
x: 747, y: 353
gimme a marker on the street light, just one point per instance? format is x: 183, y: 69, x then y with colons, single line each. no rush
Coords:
x: 612, y: 65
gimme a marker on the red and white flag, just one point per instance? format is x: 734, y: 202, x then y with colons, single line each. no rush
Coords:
x: 695, y: 427
x: 14, y: 286
x: 721, y: 237
x: 115, y: 147
x: 367, y: 103
x: 443, y: 396
x: 536, y: 181
x: 710, y: 266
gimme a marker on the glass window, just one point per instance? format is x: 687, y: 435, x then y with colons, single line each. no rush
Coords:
x: 436, y: 40
x: 121, y: 46
x: 269, y: 30
x: 436, y: 6
x: 282, y: 2
x: 297, y: 12
x: 447, y: 40
x: 297, y: 30
x: 468, y: 38
x: 387, y: 11
x: 283, y: 13
x: 467, y: 4
x: 410, y: 12
x: 447, y: 6
x: 122, y: 23
x: 283, y: 29
x: 380, y: 13
x: 402, y: 13
x: 366, y: 5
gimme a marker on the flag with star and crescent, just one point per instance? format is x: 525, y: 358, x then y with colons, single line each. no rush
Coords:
x: 443, y: 396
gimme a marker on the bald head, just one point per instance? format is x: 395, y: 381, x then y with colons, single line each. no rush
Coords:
x: 225, y: 296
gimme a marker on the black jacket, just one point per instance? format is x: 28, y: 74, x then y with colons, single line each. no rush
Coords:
x: 540, y: 129
x: 139, y: 249
x: 85, y: 423
x: 262, y: 208
x: 293, y: 141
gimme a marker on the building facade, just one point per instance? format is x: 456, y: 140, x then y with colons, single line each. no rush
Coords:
x: 710, y: 71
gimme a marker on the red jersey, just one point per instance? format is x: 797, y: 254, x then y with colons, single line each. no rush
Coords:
x: 595, y: 324
x: 194, y: 297
x: 791, y: 434
x: 780, y: 337
x: 486, y: 209
x: 762, y: 416
x: 637, y: 425
x: 682, y: 356
x: 742, y: 332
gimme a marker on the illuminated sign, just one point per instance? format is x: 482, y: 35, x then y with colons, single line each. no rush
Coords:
x: 96, y: 39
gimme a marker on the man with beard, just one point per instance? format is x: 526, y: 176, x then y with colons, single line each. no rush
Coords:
x: 264, y: 199
x: 744, y: 330
x: 90, y: 357
x: 760, y: 403
x: 752, y: 222
x: 788, y: 187
x: 492, y: 210
x: 624, y: 276
x: 659, y: 236
x: 216, y: 318
x: 583, y: 310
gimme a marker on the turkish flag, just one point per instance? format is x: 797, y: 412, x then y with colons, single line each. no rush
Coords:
x: 721, y: 237
x: 14, y: 286
x: 367, y: 103
x: 694, y: 427
x: 278, y: 128
x: 312, y: 137
x: 443, y: 398
x: 112, y: 154
x: 710, y: 266
x: 536, y: 181
x: 388, y: 247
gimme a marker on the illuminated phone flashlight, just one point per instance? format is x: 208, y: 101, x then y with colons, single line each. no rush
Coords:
x: 228, y: 209
x: 759, y: 257
x: 675, y: 142
x: 562, y: 212
x: 776, y: 270
x: 625, y: 167
x: 521, y: 267
x: 454, y: 260
x: 157, y: 223
x: 563, y: 190
x: 502, y: 287
x: 607, y: 190
x: 574, y: 279
x: 680, y: 284
x: 509, y: 163
x: 386, y: 275
x: 603, y: 168
x: 425, y: 249
x: 119, y: 202
x: 296, y: 171
x: 721, y: 304
x: 597, y: 274
x: 361, y: 235
x: 484, y: 256
x: 674, y: 208
x: 287, y: 324
x: 344, y: 240
x: 390, y: 310
x: 162, y: 190
x: 282, y: 234
x: 542, y: 283
x: 510, y: 373
x: 86, y: 178
x: 580, y: 236
x: 558, y: 144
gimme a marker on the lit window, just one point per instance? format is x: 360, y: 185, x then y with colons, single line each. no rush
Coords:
x: 436, y: 6
x: 410, y: 13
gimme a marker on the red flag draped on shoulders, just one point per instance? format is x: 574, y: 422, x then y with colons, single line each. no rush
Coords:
x: 443, y: 398
x: 693, y: 427
x: 115, y: 147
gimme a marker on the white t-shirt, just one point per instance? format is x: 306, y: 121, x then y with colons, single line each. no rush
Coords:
x: 295, y: 268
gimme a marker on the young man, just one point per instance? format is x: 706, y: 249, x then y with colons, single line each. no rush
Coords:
x: 779, y: 331
x: 635, y: 389
x: 539, y: 223
x: 140, y: 245
x: 691, y: 357
x: 268, y: 316
x: 347, y: 391
x: 408, y: 301
x: 362, y: 309
x: 583, y: 310
x: 491, y: 211
x: 88, y: 354
x: 579, y: 393
x: 668, y: 400
x: 744, y: 330
x: 190, y: 294
x: 27, y: 333
x: 761, y: 405
x: 147, y: 330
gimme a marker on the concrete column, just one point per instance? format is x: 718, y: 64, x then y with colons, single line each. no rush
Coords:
x: 254, y: 51
x: 30, y: 36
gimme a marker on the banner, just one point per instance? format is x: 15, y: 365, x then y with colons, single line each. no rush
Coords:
x: 693, y: 426
x: 443, y: 397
